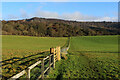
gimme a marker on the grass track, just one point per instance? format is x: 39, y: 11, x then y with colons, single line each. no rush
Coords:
x: 90, y: 57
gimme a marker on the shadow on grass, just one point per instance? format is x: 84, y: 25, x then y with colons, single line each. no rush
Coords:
x: 25, y: 61
x: 21, y: 59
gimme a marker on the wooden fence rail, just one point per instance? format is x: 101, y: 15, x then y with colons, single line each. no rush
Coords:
x: 53, y: 57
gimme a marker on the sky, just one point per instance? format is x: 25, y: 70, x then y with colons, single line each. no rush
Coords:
x: 59, y: 0
x: 77, y: 11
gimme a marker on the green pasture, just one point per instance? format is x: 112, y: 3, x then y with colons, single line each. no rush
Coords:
x: 90, y: 57
x: 20, y: 46
x: 19, y: 52
x: 94, y: 44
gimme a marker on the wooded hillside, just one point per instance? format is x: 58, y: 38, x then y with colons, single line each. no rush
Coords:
x: 58, y: 28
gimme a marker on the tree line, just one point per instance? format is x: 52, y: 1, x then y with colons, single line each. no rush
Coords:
x: 58, y: 28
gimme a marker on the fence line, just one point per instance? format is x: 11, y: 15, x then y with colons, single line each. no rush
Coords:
x: 54, y: 54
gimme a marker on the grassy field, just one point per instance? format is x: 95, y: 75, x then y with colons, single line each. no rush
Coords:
x: 90, y: 57
x: 95, y: 44
x: 19, y: 52
x: 19, y: 46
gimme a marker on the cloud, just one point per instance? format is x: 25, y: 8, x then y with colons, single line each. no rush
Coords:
x: 75, y: 16
x: 107, y: 19
x: 11, y: 17
x: 23, y: 13
x: 0, y: 16
x: 46, y: 14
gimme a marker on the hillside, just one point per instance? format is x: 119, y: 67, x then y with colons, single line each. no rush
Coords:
x: 58, y: 28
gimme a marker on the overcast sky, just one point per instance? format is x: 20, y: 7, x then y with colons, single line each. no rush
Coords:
x: 78, y: 11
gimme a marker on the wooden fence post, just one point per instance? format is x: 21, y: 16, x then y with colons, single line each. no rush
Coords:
x: 58, y: 53
x: 42, y: 66
x: 49, y: 63
x: 51, y: 50
x: 54, y: 58
x: 28, y: 74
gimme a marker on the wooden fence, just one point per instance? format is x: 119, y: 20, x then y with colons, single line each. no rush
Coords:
x: 55, y: 55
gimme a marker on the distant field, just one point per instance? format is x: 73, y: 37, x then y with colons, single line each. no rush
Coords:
x: 19, y: 46
x: 19, y: 52
x: 90, y: 57
x: 94, y: 44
